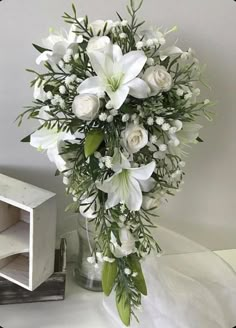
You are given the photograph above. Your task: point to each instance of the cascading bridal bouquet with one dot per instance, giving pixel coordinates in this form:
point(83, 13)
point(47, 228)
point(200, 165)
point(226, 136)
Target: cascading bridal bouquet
point(116, 108)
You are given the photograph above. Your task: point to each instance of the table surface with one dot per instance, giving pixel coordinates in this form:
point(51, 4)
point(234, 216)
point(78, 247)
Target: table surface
point(81, 308)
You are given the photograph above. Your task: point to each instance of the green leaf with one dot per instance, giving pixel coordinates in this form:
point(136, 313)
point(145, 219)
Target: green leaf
point(199, 139)
point(92, 141)
point(109, 273)
point(57, 173)
point(40, 49)
point(139, 281)
point(126, 108)
point(124, 308)
point(26, 139)
point(74, 10)
point(49, 87)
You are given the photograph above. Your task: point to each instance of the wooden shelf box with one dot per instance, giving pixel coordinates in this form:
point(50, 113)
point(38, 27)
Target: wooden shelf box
point(53, 289)
point(27, 233)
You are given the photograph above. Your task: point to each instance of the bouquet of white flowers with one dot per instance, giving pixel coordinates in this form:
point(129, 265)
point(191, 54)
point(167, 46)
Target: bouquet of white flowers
point(116, 108)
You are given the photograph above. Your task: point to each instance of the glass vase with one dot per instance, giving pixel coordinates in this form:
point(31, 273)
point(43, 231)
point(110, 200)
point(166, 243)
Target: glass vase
point(87, 275)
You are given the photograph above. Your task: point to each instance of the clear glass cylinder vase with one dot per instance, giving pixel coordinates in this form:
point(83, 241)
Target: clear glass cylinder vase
point(87, 275)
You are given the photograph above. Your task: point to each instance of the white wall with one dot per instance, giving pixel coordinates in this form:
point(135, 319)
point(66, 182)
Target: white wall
point(206, 208)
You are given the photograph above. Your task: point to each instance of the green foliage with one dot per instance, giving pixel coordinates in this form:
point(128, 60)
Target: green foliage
point(39, 48)
point(124, 307)
point(26, 139)
point(139, 280)
point(92, 141)
point(109, 274)
point(85, 169)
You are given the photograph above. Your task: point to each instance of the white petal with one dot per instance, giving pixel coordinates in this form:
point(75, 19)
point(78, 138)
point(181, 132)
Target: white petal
point(117, 251)
point(134, 197)
point(60, 48)
point(116, 52)
point(54, 157)
point(138, 88)
point(118, 97)
point(147, 185)
point(43, 114)
point(43, 57)
point(107, 185)
point(91, 85)
point(44, 139)
point(89, 212)
point(143, 172)
point(39, 92)
point(112, 200)
point(52, 39)
point(119, 161)
point(170, 51)
point(132, 63)
point(66, 136)
point(113, 238)
point(72, 36)
point(98, 62)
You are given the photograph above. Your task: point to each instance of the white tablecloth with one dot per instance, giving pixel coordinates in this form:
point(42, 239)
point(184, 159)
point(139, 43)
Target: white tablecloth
point(186, 286)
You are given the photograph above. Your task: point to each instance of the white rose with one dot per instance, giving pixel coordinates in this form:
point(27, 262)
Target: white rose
point(86, 106)
point(98, 43)
point(99, 25)
point(127, 246)
point(135, 137)
point(158, 79)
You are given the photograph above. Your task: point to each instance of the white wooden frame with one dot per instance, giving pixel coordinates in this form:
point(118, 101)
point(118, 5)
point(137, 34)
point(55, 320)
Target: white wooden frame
point(27, 232)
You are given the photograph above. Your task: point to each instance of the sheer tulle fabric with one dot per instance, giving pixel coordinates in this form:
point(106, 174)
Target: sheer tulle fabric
point(189, 287)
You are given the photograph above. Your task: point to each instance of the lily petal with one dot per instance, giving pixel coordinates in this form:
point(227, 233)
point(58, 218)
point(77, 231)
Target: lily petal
point(143, 172)
point(138, 88)
point(60, 48)
point(53, 155)
point(119, 161)
point(134, 197)
point(116, 53)
point(98, 62)
point(147, 185)
point(107, 186)
point(170, 51)
point(132, 63)
point(113, 200)
point(44, 139)
point(91, 85)
point(119, 96)
point(43, 57)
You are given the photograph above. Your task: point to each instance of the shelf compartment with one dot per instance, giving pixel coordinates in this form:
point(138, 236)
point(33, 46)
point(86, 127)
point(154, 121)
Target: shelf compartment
point(16, 269)
point(14, 240)
point(27, 233)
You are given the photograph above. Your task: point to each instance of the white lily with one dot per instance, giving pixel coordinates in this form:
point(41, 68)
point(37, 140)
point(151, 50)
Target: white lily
point(116, 75)
point(186, 136)
point(126, 185)
point(58, 43)
point(50, 140)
